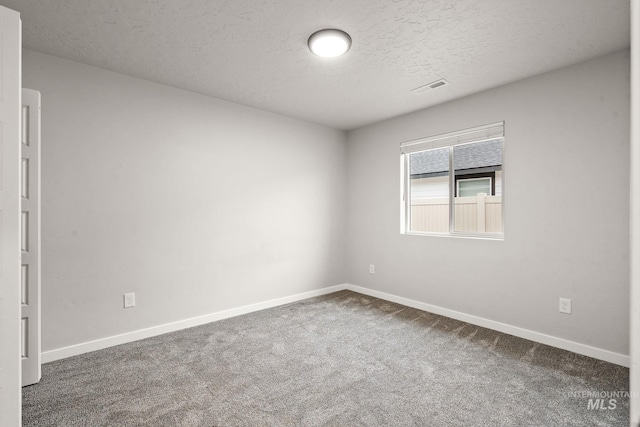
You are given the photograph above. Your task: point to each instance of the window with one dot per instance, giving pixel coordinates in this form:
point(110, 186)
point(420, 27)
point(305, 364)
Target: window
point(452, 184)
point(468, 187)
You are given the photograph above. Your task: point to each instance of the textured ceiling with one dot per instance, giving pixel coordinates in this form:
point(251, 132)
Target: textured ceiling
point(254, 52)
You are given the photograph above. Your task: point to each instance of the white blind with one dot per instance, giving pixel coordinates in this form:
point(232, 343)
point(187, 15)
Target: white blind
point(480, 133)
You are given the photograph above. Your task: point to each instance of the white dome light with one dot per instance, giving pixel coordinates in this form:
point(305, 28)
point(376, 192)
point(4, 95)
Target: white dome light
point(329, 43)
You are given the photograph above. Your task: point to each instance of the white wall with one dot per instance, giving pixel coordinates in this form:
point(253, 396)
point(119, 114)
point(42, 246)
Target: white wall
point(195, 204)
point(566, 193)
point(199, 205)
point(635, 215)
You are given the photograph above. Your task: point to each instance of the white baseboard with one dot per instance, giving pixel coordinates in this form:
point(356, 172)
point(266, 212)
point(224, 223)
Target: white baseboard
point(74, 350)
point(99, 344)
point(596, 353)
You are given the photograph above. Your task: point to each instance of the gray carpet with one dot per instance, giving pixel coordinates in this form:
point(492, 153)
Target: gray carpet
point(342, 359)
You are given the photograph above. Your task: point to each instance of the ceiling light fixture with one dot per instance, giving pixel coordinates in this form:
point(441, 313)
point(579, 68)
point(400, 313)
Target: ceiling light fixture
point(329, 43)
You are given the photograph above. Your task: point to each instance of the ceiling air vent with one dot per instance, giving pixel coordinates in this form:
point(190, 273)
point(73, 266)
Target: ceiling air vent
point(429, 86)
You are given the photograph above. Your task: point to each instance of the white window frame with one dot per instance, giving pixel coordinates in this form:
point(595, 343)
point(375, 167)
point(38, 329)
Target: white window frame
point(477, 134)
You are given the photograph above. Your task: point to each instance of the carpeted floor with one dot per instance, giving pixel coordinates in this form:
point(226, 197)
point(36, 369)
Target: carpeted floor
point(342, 359)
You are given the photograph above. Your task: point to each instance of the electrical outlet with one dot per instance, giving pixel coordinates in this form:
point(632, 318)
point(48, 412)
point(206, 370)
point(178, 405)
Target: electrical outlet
point(129, 300)
point(565, 305)
point(372, 269)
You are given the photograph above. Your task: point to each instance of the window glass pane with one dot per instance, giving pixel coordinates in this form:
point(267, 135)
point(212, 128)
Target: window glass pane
point(474, 186)
point(429, 191)
point(478, 177)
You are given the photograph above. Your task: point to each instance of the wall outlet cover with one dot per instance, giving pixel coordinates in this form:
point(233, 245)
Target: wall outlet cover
point(129, 300)
point(565, 305)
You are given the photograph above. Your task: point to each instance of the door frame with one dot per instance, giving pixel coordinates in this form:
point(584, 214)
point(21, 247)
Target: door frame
point(10, 103)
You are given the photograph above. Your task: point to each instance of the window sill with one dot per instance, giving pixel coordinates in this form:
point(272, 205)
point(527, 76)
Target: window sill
point(498, 237)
